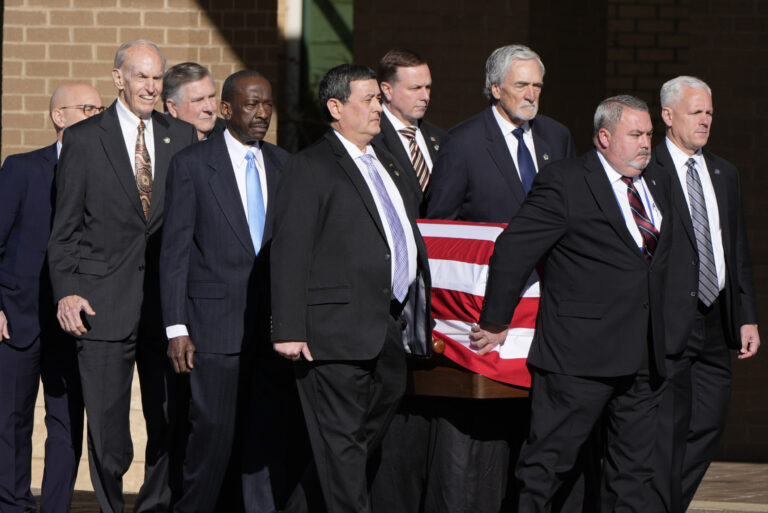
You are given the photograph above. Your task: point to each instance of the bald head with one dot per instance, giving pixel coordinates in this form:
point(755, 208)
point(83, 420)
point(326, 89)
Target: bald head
point(71, 103)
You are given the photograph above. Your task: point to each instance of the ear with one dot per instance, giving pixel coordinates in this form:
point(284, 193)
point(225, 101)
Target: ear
point(171, 108)
point(226, 110)
point(386, 90)
point(666, 115)
point(603, 137)
point(58, 119)
point(117, 78)
point(334, 107)
point(496, 91)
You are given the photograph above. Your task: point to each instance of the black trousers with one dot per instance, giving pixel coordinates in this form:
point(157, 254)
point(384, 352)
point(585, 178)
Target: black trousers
point(693, 411)
point(106, 372)
point(564, 411)
point(348, 405)
point(50, 358)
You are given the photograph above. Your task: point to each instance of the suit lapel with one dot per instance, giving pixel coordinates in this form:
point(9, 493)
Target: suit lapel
point(543, 149)
point(162, 137)
point(499, 151)
point(224, 188)
point(114, 147)
point(393, 142)
point(664, 159)
point(721, 193)
point(273, 176)
point(602, 191)
point(352, 171)
point(432, 139)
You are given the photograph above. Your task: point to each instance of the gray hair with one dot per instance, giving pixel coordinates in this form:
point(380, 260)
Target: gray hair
point(120, 55)
point(609, 112)
point(498, 64)
point(179, 75)
point(672, 90)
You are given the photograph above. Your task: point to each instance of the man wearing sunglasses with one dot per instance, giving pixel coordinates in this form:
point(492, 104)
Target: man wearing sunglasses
point(31, 344)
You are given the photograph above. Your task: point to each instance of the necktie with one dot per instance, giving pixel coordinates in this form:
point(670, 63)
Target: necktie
point(524, 161)
point(649, 232)
point(256, 213)
point(417, 158)
point(708, 284)
point(400, 279)
point(143, 168)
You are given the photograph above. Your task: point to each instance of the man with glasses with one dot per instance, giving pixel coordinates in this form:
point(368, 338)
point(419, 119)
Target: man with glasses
point(31, 344)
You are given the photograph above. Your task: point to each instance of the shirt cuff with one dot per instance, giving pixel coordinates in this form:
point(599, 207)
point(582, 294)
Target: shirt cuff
point(177, 330)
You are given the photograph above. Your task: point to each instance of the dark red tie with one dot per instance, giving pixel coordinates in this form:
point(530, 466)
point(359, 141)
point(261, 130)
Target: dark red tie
point(649, 232)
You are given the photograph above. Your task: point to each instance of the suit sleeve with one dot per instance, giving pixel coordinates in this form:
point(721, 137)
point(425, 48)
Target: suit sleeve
point(539, 224)
point(449, 182)
point(748, 313)
point(297, 210)
point(12, 190)
point(178, 233)
point(64, 244)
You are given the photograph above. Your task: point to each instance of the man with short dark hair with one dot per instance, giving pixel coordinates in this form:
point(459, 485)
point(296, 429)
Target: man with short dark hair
point(215, 282)
point(189, 94)
point(406, 87)
point(103, 259)
point(347, 260)
point(711, 293)
point(32, 346)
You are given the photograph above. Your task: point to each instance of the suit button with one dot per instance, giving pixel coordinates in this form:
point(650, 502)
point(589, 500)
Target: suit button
point(141, 267)
point(645, 305)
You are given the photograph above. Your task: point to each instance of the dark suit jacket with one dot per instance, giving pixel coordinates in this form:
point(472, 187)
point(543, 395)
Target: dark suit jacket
point(331, 272)
point(598, 293)
point(389, 139)
point(475, 179)
point(683, 283)
point(26, 207)
point(210, 276)
point(101, 246)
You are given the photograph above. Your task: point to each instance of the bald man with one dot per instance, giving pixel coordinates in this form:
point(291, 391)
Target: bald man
point(31, 344)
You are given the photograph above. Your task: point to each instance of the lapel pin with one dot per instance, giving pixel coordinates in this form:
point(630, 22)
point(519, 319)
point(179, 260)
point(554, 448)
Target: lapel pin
point(653, 182)
point(432, 138)
point(717, 171)
point(391, 164)
point(167, 140)
point(396, 173)
point(437, 147)
point(545, 156)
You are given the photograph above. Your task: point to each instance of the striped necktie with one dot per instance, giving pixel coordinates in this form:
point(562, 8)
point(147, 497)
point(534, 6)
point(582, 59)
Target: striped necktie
point(417, 158)
point(648, 232)
point(708, 284)
point(143, 168)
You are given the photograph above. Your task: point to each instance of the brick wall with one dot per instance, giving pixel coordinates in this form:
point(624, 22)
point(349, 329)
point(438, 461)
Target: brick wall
point(47, 42)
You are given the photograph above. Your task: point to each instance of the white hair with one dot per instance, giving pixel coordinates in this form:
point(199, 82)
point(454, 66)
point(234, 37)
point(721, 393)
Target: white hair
point(497, 65)
point(672, 90)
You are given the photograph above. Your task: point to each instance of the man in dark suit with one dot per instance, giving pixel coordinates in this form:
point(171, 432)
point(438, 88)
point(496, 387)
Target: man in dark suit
point(710, 291)
point(103, 259)
point(348, 265)
point(406, 85)
point(602, 225)
point(483, 173)
point(31, 344)
point(189, 94)
point(214, 268)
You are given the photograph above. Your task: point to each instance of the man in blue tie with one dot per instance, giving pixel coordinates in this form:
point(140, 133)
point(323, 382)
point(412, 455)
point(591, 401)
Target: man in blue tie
point(215, 294)
point(348, 267)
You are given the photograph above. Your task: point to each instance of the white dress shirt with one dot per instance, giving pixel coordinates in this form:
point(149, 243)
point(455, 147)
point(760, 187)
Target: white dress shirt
point(398, 125)
point(129, 125)
point(506, 129)
point(394, 196)
point(237, 151)
point(679, 158)
point(58, 149)
point(620, 192)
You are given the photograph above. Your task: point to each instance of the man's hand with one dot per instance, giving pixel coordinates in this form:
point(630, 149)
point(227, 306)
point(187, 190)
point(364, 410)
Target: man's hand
point(293, 350)
point(750, 341)
point(180, 352)
point(69, 314)
point(486, 336)
point(4, 327)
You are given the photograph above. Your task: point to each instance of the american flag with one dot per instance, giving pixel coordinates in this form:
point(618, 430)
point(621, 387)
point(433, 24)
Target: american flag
point(458, 260)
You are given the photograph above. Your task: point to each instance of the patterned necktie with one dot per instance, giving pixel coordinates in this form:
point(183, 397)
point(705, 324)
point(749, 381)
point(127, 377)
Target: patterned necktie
point(400, 280)
point(524, 161)
point(256, 214)
point(649, 232)
point(417, 158)
point(708, 284)
point(143, 167)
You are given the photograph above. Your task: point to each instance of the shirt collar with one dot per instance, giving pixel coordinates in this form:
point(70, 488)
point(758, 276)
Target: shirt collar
point(58, 149)
point(238, 149)
point(613, 175)
point(396, 123)
point(128, 117)
point(506, 126)
point(679, 157)
point(352, 149)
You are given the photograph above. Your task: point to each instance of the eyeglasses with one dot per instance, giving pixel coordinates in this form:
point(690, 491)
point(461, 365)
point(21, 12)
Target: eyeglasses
point(88, 110)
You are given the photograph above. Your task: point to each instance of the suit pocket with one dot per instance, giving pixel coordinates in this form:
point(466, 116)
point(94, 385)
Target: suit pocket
point(94, 267)
point(582, 310)
point(7, 281)
point(207, 289)
point(329, 295)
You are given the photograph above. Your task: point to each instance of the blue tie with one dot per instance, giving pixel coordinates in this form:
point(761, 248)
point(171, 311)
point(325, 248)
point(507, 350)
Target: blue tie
point(400, 280)
point(524, 161)
point(255, 198)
